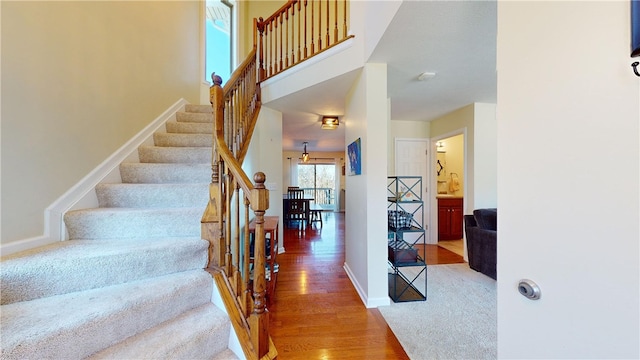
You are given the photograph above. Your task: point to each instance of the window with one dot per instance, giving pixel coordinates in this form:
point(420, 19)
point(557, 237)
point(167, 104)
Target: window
point(219, 39)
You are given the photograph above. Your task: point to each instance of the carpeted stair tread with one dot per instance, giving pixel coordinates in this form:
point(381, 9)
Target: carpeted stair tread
point(200, 333)
point(133, 223)
point(182, 140)
point(159, 154)
point(77, 265)
point(197, 108)
point(76, 325)
point(129, 283)
point(153, 195)
point(159, 173)
point(197, 117)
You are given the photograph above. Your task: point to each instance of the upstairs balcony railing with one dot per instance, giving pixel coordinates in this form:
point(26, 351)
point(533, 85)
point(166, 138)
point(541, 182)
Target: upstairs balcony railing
point(232, 194)
point(299, 30)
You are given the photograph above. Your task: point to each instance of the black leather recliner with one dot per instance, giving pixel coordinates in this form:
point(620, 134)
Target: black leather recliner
point(481, 230)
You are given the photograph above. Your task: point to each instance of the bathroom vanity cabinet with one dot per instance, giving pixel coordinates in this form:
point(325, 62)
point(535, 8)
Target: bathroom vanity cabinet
point(450, 218)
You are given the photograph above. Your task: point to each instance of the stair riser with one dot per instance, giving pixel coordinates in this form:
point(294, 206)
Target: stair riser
point(194, 117)
point(64, 267)
point(183, 140)
point(134, 224)
point(116, 313)
point(190, 155)
point(152, 195)
point(129, 283)
point(189, 127)
point(204, 329)
point(156, 173)
point(198, 108)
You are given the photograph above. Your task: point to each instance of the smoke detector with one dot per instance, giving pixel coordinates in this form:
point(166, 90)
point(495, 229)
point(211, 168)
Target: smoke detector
point(426, 76)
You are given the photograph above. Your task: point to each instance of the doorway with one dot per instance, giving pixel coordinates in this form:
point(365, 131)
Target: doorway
point(449, 180)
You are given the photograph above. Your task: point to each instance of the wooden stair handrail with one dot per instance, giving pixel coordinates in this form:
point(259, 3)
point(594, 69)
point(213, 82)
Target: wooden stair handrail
point(236, 107)
point(227, 176)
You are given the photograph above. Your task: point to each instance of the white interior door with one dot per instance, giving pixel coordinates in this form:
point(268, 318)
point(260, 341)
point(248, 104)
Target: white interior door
point(566, 221)
point(412, 160)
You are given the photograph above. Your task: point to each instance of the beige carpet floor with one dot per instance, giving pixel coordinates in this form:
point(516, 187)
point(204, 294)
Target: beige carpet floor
point(457, 321)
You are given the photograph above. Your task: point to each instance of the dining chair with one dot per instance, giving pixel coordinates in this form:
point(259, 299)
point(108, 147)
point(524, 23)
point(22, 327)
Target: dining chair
point(297, 212)
point(295, 193)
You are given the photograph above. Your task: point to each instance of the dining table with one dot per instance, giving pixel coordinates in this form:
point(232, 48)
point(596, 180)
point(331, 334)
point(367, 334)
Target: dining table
point(285, 206)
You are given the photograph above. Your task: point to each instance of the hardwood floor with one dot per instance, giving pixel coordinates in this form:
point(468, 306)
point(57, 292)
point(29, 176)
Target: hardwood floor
point(316, 313)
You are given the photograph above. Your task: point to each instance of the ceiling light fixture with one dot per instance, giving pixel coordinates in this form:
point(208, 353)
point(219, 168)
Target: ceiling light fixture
point(426, 76)
point(330, 122)
point(305, 154)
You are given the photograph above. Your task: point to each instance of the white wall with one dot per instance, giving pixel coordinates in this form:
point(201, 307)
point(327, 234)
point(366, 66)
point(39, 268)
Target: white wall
point(568, 173)
point(485, 164)
point(79, 79)
point(366, 118)
point(267, 140)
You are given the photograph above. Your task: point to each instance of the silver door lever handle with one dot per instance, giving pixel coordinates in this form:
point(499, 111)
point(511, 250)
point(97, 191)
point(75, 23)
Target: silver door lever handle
point(529, 289)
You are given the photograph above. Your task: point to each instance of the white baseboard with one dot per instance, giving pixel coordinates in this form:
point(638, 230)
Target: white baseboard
point(82, 194)
point(25, 244)
point(234, 342)
point(368, 302)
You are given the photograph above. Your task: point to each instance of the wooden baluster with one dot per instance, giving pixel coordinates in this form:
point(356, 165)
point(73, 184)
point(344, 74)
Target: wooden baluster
point(312, 32)
point(227, 235)
point(344, 35)
point(286, 39)
point(273, 48)
point(305, 29)
point(237, 279)
point(293, 44)
point(241, 117)
point(261, 42)
point(335, 28)
point(259, 319)
point(328, 25)
point(228, 117)
point(299, 29)
point(234, 123)
point(280, 46)
point(247, 300)
point(319, 25)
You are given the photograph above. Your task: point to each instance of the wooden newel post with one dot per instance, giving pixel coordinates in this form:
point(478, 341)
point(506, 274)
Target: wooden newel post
point(211, 227)
point(259, 319)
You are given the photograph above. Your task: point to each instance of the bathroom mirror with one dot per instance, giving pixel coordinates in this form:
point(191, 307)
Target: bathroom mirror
point(441, 171)
point(441, 165)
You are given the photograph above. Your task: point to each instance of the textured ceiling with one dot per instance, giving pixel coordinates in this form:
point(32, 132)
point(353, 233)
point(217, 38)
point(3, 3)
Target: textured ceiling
point(454, 39)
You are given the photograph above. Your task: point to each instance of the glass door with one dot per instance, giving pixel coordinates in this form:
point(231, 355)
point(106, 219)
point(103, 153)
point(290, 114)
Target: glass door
point(318, 181)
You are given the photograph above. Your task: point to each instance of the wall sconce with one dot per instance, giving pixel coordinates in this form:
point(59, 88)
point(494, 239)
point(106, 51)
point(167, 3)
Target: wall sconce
point(305, 154)
point(440, 146)
point(330, 122)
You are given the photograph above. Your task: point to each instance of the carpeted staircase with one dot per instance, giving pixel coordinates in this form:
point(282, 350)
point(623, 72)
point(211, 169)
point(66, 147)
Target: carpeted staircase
point(129, 283)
